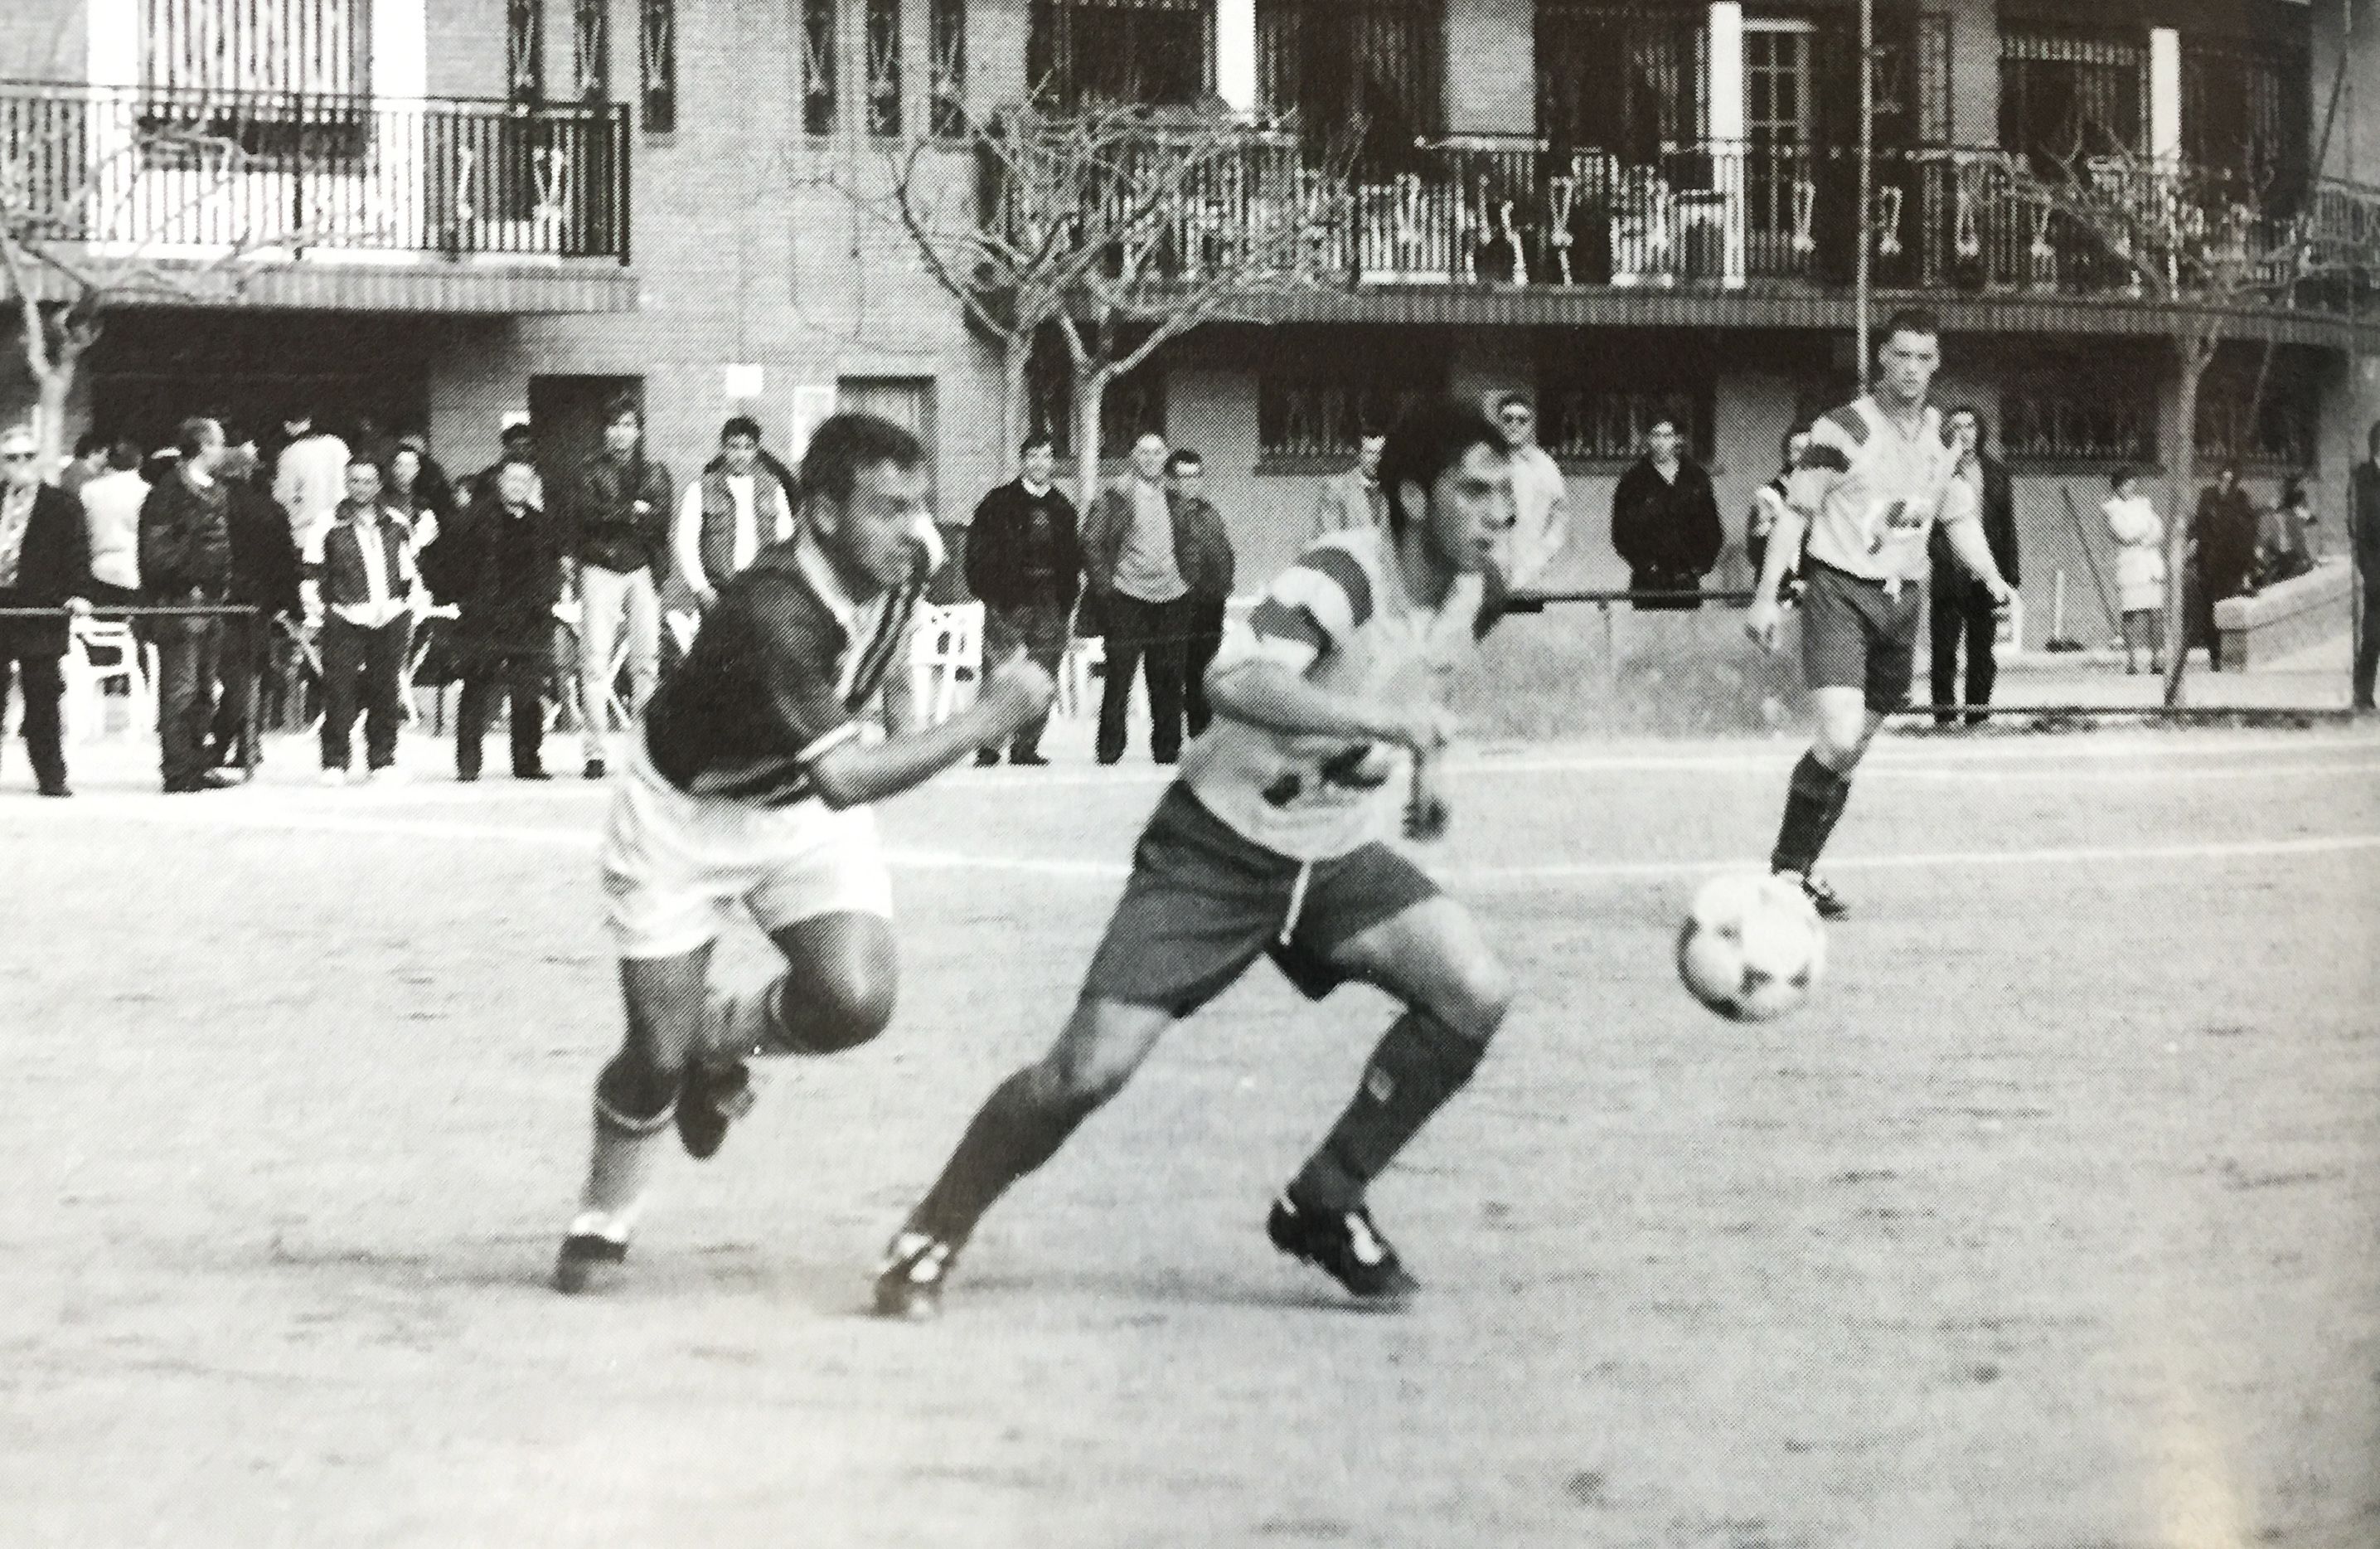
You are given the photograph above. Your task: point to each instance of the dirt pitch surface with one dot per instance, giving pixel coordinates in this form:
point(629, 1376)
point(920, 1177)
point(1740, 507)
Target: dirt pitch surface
point(2054, 1222)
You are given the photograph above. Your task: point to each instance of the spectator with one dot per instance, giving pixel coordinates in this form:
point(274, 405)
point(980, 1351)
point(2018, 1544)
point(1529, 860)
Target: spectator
point(1353, 499)
point(2223, 543)
point(186, 563)
point(2284, 549)
point(1133, 563)
point(44, 563)
point(89, 460)
point(1210, 572)
point(519, 442)
point(620, 545)
point(1665, 521)
point(311, 477)
point(1961, 608)
point(1025, 560)
point(729, 515)
point(2139, 569)
point(2363, 536)
point(372, 442)
point(1540, 497)
point(1767, 505)
point(265, 575)
point(111, 506)
point(360, 569)
point(418, 489)
point(504, 566)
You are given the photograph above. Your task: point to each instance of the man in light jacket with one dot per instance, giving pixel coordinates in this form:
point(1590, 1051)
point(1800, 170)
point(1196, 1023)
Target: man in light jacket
point(730, 514)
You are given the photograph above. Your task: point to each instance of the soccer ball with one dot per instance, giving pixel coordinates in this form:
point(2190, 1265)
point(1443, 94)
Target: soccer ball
point(1751, 947)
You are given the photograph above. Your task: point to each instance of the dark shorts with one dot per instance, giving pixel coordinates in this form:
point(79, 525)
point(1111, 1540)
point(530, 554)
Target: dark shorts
point(1856, 635)
point(1204, 902)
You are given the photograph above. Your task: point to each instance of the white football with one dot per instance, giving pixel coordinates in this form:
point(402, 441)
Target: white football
point(1751, 947)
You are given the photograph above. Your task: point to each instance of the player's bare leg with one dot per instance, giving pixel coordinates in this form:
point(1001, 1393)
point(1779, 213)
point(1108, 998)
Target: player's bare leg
point(1021, 1125)
point(1820, 788)
point(634, 1097)
point(1434, 957)
point(842, 974)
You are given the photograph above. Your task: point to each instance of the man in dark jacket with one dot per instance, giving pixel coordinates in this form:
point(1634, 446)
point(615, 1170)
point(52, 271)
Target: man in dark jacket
point(1024, 561)
point(619, 545)
point(1207, 603)
point(1144, 552)
point(2363, 528)
point(264, 575)
point(1961, 608)
point(186, 562)
point(1665, 521)
point(501, 564)
point(44, 563)
point(2223, 541)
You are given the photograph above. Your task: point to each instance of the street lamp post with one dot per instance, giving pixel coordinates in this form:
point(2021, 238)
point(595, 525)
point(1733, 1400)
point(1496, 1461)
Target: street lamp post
point(1866, 177)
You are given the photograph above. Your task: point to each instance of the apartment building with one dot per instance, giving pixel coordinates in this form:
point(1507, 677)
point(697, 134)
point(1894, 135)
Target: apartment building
point(1628, 208)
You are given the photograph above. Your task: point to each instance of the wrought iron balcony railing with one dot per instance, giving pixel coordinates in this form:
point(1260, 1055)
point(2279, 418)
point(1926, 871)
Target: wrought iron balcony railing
point(171, 169)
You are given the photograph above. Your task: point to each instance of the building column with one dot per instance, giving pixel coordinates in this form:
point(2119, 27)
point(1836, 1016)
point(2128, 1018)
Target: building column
point(1730, 168)
point(2165, 95)
point(1235, 55)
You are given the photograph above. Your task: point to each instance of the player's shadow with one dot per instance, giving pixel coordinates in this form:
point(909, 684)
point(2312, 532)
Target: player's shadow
point(1134, 1295)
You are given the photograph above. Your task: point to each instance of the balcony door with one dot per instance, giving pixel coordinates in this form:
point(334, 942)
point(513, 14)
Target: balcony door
point(1781, 129)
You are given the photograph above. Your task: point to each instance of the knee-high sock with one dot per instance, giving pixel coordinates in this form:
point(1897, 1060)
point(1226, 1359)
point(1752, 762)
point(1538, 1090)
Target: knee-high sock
point(633, 1108)
point(1020, 1126)
point(1420, 1063)
point(1813, 803)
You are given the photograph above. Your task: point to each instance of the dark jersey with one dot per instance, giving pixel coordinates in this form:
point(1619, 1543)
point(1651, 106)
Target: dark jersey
point(784, 663)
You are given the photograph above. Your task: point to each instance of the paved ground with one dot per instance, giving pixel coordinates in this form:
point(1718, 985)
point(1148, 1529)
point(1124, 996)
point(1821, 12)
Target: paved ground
point(2054, 1222)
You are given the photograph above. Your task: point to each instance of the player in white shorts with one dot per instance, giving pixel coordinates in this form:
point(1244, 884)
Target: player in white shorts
point(748, 786)
point(1271, 844)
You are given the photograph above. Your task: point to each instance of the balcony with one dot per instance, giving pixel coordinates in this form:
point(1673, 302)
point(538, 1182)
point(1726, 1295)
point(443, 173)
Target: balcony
point(448, 204)
point(1482, 230)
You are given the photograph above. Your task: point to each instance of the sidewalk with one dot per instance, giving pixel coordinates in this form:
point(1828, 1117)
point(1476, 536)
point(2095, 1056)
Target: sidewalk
point(2314, 679)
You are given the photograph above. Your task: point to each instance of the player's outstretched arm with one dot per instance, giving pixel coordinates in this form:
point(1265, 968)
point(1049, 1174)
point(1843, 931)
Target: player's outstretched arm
point(1268, 694)
point(849, 774)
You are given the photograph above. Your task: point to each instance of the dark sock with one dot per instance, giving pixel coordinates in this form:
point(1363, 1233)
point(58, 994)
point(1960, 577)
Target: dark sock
point(1019, 1126)
point(1813, 802)
point(1420, 1063)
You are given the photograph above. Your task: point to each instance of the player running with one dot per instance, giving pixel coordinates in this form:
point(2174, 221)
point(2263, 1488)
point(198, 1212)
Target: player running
point(749, 784)
point(1868, 488)
point(1326, 721)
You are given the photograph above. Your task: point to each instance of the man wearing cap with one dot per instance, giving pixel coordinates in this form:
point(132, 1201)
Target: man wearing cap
point(44, 563)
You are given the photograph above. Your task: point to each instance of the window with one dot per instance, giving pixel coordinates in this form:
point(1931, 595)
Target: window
point(820, 38)
point(282, 79)
point(1152, 52)
point(946, 58)
point(2282, 428)
point(524, 51)
point(2068, 94)
point(1315, 400)
point(1599, 407)
point(591, 49)
point(657, 63)
point(1620, 78)
point(2074, 415)
point(1338, 62)
point(883, 34)
point(2244, 112)
point(1132, 405)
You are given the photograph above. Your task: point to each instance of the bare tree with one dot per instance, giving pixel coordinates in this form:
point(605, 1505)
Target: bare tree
point(1113, 229)
point(99, 204)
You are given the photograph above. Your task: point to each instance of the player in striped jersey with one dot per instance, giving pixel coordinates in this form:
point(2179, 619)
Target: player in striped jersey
point(1271, 844)
point(1869, 487)
point(749, 784)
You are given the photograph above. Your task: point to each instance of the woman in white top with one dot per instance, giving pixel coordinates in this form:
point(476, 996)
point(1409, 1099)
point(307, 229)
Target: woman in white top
point(2139, 569)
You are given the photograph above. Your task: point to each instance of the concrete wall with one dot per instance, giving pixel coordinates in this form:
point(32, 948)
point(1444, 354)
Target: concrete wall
point(1491, 77)
point(2355, 137)
point(43, 39)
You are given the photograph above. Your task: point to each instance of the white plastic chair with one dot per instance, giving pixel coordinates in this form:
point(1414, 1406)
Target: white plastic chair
point(423, 612)
point(945, 650)
point(1086, 658)
point(99, 652)
point(682, 624)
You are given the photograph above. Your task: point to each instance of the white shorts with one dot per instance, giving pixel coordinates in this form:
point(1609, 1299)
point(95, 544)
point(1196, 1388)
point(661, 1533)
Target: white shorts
point(675, 865)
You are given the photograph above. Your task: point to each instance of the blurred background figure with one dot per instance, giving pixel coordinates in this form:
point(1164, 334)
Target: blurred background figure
point(2139, 532)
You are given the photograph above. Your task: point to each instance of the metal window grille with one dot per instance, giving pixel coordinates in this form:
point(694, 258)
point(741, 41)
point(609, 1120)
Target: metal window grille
point(657, 62)
point(1373, 63)
point(1154, 51)
point(1589, 422)
point(1133, 404)
point(2244, 112)
point(524, 51)
point(946, 58)
point(314, 47)
point(2069, 93)
point(1621, 78)
point(2281, 429)
point(820, 39)
point(1318, 408)
point(883, 36)
point(591, 49)
point(2072, 416)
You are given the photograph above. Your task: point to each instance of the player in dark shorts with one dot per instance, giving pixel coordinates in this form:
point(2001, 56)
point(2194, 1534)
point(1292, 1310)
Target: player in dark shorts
point(748, 786)
point(1271, 844)
point(1868, 488)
